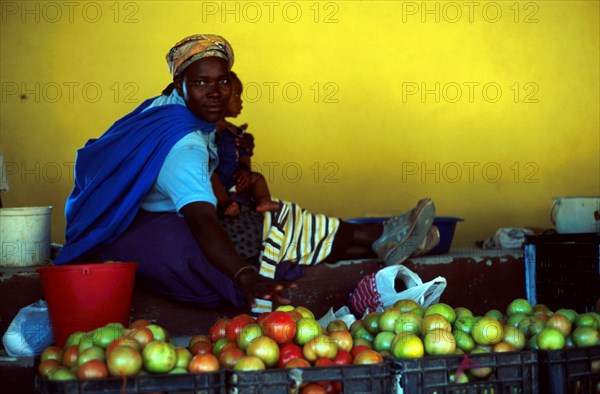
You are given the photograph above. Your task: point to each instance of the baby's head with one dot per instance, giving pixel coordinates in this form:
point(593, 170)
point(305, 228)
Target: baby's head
point(235, 102)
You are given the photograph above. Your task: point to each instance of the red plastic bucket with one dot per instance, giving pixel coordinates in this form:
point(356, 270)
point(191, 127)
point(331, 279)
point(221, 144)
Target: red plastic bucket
point(87, 296)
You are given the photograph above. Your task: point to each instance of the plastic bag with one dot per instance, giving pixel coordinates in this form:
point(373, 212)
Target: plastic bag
point(376, 291)
point(30, 332)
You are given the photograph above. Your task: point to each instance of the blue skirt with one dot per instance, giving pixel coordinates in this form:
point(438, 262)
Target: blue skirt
point(172, 264)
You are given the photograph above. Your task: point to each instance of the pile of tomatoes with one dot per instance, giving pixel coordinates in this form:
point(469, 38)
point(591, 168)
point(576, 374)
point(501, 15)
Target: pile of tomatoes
point(291, 337)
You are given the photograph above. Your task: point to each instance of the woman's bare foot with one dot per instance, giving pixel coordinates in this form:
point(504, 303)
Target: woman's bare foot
point(267, 206)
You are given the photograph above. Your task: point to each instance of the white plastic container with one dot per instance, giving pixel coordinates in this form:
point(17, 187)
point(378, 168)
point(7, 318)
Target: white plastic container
point(24, 236)
point(573, 215)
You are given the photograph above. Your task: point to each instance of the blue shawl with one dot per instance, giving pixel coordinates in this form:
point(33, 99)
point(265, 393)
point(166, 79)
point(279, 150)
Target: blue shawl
point(114, 172)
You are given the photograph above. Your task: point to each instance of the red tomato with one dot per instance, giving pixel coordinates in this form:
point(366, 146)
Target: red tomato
point(323, 362)
point(313, 388)
point(280, 326)
point(70, 356)
point(356, 350)
point(139, 323)
point(218, 330)
point(52, 352)
point(199, 338)
point(93, 369)
point(229, 357)
point(47, 365)
point(297, 362)
point(235, 325)
point(261, 317)
point(342, 357)
point(288, 352)
point(141, 334)
point(203, 363)
point(201, 348)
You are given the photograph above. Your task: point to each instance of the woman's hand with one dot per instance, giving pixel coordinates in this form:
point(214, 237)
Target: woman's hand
point(255, 286)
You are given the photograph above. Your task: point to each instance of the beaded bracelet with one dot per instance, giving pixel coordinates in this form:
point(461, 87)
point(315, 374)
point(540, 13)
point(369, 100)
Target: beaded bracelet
point(242, 269)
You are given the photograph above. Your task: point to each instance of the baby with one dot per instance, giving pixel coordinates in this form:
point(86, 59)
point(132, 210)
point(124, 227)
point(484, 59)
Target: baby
point(234, 174)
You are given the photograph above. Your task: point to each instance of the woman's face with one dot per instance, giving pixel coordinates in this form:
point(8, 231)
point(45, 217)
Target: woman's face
point(205, 88)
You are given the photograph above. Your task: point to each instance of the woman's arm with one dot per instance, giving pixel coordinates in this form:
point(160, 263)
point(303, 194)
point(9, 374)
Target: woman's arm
point(201, 217)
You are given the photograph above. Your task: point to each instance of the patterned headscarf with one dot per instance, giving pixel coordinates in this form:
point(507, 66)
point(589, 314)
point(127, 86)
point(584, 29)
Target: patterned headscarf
point(195, 47)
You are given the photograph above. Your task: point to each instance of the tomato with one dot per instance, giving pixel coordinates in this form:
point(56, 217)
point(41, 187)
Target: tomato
point(261, 317)
point(229, 357)
point(123, 341)
point(288, 352)
point(297, 362)
point(70, 356)
point(93, 369)
point(92, 353)
point(141, 334)
point(218, 346)
point(235, 325)
point(159, 333)
point(183, 357)
point(48, 365)
point(313, 388)
point(61, 373)
point(305, 312)
point(295, 315)
point(343, 339)
point(264, 348)
point(52, 352)
point(248, 333)
point(124, 361)
point(356, 350)
point(321, 346)
point(201, 348)
point(249, 363)
point(139, 323)
point(342, 357)
point(369, 356)
point(203, 363)
point(280, 326)
point(199, 338)
point(336, 325)
point(307, 329)
point(218, 329)
point(103, 336)
point(323, 362)
point(159, 357)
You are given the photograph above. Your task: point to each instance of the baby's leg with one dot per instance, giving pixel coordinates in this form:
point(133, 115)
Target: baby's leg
point(259, 191)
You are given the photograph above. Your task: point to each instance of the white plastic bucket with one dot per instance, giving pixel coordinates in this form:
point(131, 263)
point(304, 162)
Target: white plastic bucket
point(24, 236)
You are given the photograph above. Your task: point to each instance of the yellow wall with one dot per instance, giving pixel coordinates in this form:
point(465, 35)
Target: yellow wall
point(358, 107)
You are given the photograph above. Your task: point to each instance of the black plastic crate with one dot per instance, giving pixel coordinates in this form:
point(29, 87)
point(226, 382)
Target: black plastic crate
point(512, 372)
point(200, 383)
point(570, 371)
point(354, 379)
point(563, 270)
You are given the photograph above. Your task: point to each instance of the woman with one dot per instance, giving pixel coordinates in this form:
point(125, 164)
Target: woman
point(143, 193)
